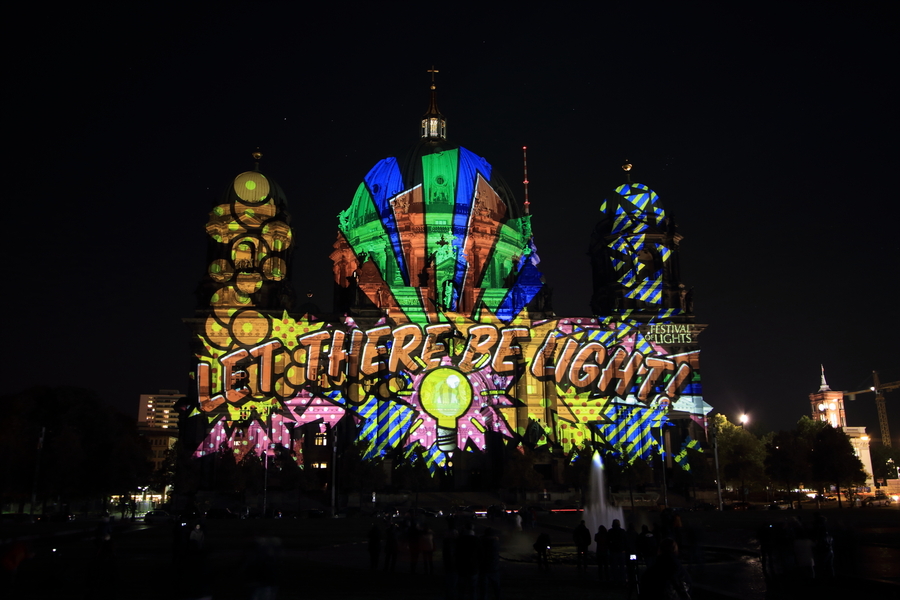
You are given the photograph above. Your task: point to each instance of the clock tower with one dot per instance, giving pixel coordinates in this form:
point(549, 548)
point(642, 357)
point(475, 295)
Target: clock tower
point(828, 405)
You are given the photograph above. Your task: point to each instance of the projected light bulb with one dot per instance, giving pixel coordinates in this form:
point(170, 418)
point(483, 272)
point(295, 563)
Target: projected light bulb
point(445, 394)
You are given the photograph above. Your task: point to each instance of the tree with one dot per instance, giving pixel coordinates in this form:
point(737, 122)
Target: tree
point(813, 454)
point(164, 477)
point(742, 455)
point(834, 460)
point(789, 454)
point(885, 462)
point(89, 450)
point(787, 460)
point(701, 474)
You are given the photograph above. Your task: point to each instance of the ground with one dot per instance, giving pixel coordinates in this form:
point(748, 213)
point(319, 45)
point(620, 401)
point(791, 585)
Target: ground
point(327, 558)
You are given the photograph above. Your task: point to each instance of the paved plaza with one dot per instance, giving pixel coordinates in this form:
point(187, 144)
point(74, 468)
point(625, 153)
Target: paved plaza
point(328, 558)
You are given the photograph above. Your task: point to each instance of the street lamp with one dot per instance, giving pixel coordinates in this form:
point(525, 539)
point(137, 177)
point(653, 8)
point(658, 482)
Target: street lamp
point(743, 487)
point(715, 438)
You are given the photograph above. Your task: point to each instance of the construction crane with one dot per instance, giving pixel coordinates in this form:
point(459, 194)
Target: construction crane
point(879, 389)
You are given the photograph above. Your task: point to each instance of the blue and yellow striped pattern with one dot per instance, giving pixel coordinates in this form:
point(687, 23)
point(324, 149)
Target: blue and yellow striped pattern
point(631, 427)
point(681, 459)
point(385, 424)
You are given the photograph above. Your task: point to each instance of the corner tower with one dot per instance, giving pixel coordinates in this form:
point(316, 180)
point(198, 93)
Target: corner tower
point(242, 304)
point(249, 248)
point(634, 255)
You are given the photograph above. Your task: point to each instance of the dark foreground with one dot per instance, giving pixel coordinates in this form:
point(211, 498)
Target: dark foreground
point(328, 558)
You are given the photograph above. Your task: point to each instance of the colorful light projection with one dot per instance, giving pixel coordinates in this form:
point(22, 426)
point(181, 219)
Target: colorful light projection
point(447, 244)
point(252, 238)
point(637, 255)
point(441, 386)
point(455, 355)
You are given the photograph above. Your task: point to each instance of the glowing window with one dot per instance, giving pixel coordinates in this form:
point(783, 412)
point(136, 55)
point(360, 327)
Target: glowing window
point(321, 439)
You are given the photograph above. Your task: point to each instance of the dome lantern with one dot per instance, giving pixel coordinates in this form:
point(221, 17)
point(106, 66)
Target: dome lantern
point(434, 125)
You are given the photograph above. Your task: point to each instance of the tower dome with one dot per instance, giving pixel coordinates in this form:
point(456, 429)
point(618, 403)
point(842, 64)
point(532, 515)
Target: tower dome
point(634, 254)
point(250, 246)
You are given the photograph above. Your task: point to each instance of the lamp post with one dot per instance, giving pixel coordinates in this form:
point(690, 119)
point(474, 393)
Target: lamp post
point(37, 471)
point(662, 456)
point(744, 419)
point(715, 437)
point(334, 457)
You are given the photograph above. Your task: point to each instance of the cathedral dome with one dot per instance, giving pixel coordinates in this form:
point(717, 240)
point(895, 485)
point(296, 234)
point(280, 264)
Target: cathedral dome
point(409, 163)
point(251, 194)
point(434, 231)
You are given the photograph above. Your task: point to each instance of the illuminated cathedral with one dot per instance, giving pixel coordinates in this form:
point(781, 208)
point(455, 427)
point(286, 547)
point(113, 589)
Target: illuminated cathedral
point(442, 338)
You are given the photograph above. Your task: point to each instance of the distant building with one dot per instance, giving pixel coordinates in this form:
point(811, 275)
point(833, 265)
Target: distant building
point(158, 423)
point(860, 442)
point(157, 411)
point(827, 406)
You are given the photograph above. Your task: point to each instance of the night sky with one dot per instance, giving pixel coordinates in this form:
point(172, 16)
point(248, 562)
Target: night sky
point(768, 133)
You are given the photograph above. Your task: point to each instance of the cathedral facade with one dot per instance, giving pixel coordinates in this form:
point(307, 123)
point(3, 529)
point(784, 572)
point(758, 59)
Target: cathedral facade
point(442, 338)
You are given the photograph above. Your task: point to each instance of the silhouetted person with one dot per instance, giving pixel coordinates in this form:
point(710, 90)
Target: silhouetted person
point(582, 539)
point(617, 547)
point(448, 557)
point(103, 538)
point(647, 546)
point(426, 548)
point(489, 565)
point(602, 553)
point(11, 560)
point(467, 560)
point(196, 540)
point(412, 540)
point(542, 546)
point(260, 567)
point(631, 540)
point(824, 548)
point(374, 546)
point(391, 543)
point(804, 556)
point(666, 579)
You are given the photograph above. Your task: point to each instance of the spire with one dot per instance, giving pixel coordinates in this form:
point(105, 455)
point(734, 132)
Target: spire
point(434, 125)
point(525, 164)
point(824, 386)
point(627, 168)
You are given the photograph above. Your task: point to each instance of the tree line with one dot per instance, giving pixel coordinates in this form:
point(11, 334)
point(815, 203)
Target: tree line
point(89, 452)
point(813, 455)
point(64, 446)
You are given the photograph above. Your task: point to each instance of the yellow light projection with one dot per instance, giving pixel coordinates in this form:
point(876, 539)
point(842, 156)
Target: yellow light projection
point(251, 186)
point(445, 394)
point(252, 243)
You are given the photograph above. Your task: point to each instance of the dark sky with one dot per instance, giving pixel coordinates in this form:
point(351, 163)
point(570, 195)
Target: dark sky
point(769, 133)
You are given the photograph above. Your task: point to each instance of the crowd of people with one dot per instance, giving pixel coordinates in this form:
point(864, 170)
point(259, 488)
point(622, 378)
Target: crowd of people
point(653, 562)
point(460, 561)
point(470, 562)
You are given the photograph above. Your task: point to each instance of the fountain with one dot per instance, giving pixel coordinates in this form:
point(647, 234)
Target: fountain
point(598, 511)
